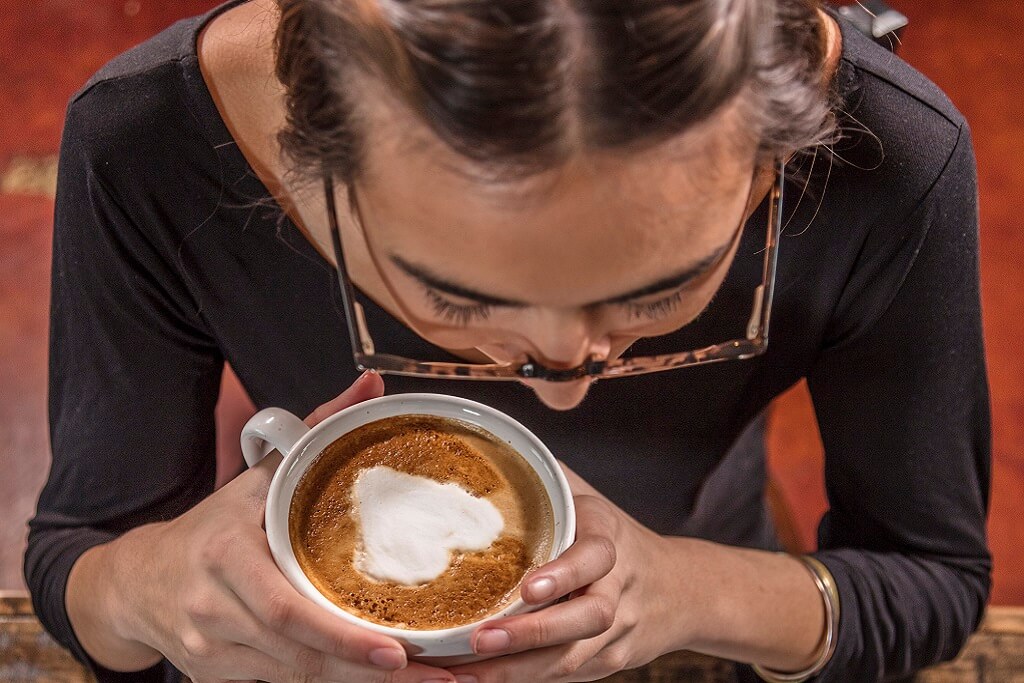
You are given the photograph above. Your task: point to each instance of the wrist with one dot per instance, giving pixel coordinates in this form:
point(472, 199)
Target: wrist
point(101, 605)
point(826, 585)
point(130, 565)
point(684, 605)
point(746, 605)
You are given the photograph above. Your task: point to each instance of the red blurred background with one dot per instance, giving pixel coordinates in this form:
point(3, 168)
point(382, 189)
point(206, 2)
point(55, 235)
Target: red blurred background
point(48, 48)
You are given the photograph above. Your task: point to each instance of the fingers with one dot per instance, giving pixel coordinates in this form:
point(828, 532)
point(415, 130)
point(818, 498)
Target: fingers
point(312, 668)
point(245, 663)
point(581, 618)
point(224, 626)
point(232, 622)
point(590, 558)
point(368, 385)
point(574, 662)
point(583, 568)
point(267, 594)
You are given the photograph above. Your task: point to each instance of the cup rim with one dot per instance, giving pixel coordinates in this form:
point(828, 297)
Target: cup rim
point(284, 554)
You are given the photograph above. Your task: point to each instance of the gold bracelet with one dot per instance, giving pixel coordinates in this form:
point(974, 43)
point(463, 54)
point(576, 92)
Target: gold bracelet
point(826, 584)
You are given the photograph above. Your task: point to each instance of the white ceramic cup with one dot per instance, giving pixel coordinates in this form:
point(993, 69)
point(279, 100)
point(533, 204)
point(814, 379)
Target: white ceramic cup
point(274, 428)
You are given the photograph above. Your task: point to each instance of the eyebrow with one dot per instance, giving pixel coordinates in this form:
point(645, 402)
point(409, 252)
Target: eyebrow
point(674, 281)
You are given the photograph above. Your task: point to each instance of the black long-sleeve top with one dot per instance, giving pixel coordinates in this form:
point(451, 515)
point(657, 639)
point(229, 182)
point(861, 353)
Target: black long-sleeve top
point(167, 262)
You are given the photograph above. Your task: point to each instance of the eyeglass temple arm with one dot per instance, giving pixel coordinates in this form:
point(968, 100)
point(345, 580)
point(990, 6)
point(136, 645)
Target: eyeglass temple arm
point(348, 296)
point(757, 327)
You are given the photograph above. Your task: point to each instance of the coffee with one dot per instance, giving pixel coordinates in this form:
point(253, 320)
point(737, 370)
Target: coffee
point(420, 522)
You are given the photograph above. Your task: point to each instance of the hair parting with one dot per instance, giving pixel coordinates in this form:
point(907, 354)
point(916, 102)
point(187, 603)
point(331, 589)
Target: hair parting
point(518, 86)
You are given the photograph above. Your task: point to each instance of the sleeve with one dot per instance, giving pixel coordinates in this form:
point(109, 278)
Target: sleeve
point(903, 408)
point(133, 376)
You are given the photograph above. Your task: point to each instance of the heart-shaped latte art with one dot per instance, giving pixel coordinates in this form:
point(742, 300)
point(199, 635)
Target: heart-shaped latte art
point(411, 525)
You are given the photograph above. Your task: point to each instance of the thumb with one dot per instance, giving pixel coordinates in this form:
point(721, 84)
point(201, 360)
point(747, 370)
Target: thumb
point(368, 385)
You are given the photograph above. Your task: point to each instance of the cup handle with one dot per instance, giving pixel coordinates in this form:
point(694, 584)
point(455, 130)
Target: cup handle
point(269, 429)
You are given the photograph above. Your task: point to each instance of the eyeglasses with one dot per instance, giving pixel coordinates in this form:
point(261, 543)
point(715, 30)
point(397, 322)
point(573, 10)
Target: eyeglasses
point(753, 344)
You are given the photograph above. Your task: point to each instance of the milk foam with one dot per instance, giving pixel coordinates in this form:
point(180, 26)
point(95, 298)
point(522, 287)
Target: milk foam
point(410, 525)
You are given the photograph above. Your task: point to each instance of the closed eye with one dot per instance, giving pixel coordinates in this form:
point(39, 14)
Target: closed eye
point(652, 310)
point(441, 288)
point(463, 314)
point(458, 314)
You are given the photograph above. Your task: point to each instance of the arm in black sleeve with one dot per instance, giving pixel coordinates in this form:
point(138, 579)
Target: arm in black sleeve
point(902, 403)
point(133, 376)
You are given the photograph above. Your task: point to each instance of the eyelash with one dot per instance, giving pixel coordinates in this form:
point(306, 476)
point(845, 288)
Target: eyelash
point(456, 313)
point(463, 315)
point(654, 309)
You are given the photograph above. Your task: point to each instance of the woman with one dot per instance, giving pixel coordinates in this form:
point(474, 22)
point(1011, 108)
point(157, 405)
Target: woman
point(550, 192)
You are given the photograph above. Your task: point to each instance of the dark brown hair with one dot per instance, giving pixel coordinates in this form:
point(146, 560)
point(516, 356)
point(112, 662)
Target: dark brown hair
point(519, 84)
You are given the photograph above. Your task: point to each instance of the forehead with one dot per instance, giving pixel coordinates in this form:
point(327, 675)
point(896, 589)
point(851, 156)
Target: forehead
point(598, 225)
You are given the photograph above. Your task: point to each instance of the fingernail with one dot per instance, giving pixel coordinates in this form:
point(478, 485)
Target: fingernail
point(465, 678)
point(366, 373)
point(390, 658)
point(541, 589)
point(493, 640)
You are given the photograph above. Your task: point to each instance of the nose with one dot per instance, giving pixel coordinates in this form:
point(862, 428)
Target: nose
point(563, 338)
point(557, 340)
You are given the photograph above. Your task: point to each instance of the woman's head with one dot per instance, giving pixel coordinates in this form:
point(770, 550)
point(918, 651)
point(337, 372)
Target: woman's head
point(557, 155)
point(520, 86)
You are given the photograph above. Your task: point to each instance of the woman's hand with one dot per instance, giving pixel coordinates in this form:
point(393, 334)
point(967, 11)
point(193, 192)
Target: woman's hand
point(204, 591)
point(618, 576)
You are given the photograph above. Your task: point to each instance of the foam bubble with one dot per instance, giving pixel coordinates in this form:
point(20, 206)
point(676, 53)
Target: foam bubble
point(411, 525)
